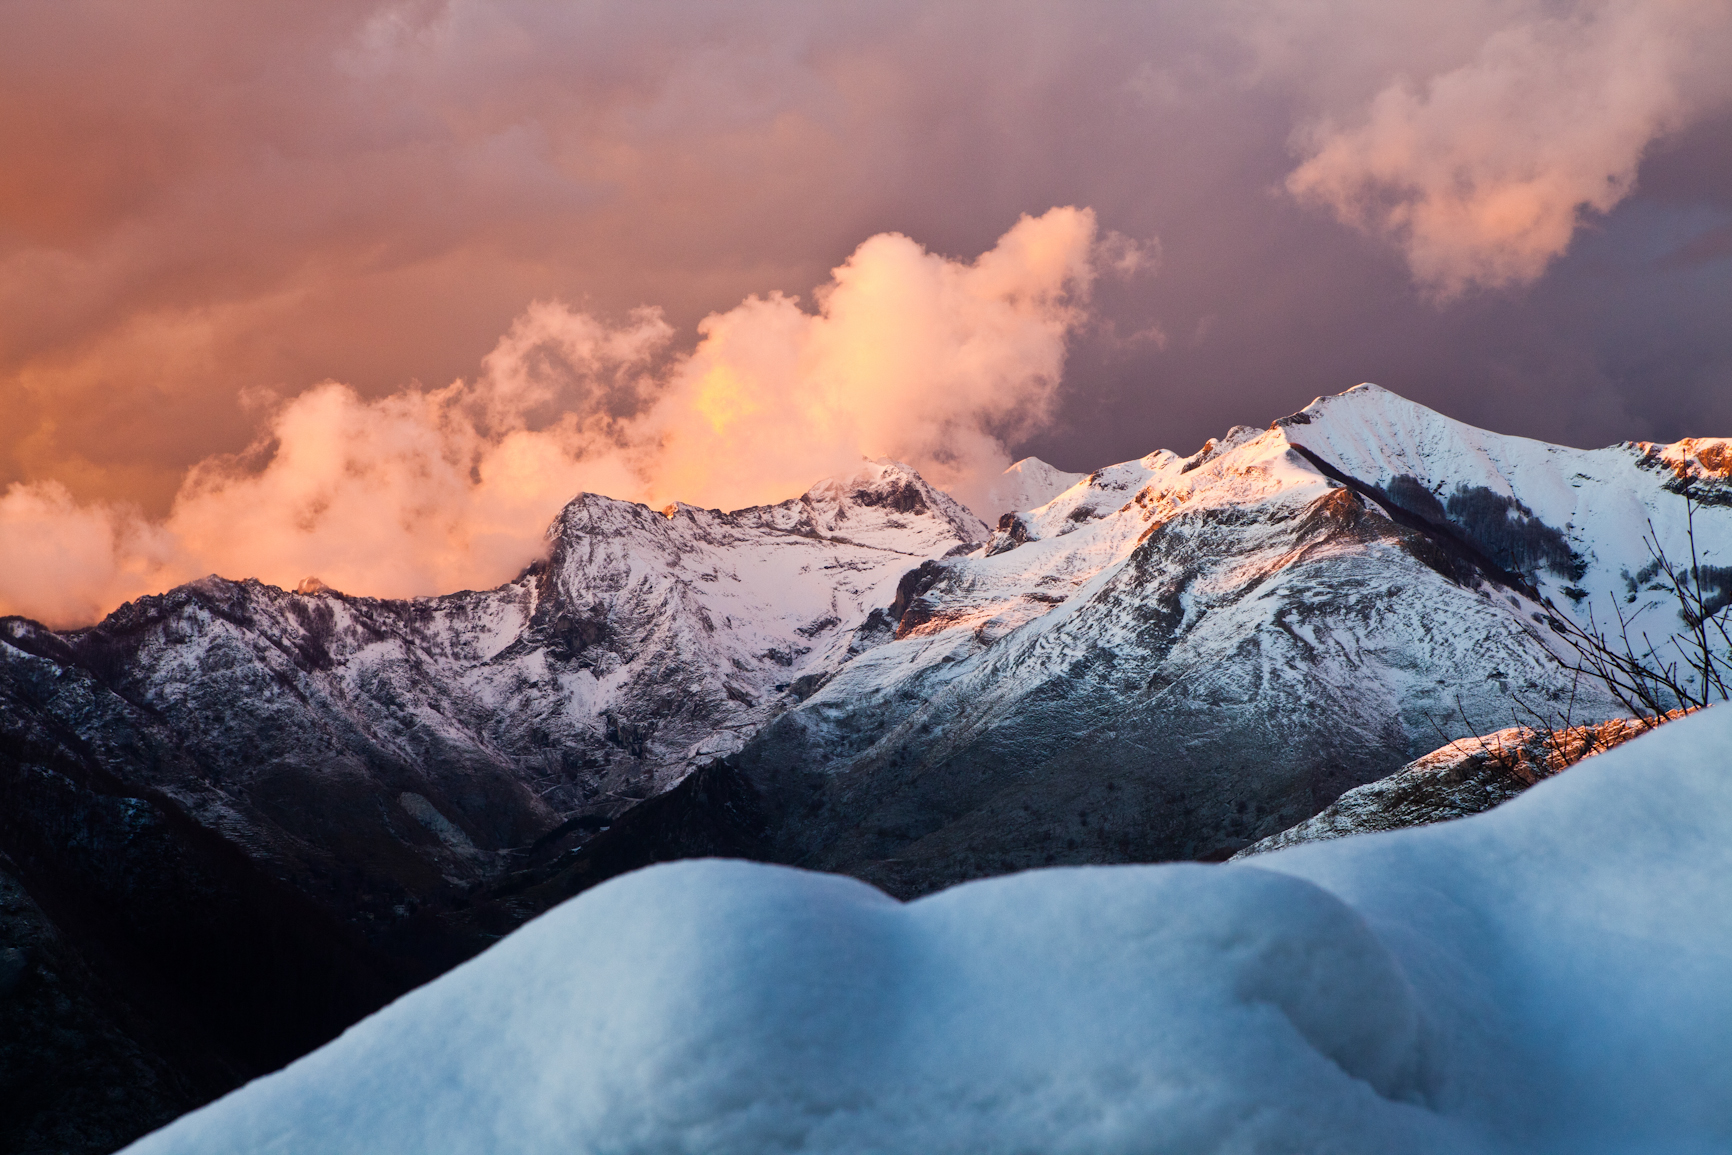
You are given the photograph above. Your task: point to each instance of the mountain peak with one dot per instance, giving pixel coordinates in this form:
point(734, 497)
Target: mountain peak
point(1027, 484)
point(886, 502)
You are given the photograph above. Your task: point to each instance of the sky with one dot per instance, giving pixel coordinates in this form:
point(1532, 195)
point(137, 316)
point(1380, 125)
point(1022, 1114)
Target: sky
point(367, 291)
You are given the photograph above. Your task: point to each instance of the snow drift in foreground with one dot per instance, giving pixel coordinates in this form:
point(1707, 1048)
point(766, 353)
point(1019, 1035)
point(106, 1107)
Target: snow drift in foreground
point(1554, 975)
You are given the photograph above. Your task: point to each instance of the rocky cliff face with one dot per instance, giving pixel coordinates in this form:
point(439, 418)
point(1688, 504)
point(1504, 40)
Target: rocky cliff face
point(266, 812)
point(1467, 776)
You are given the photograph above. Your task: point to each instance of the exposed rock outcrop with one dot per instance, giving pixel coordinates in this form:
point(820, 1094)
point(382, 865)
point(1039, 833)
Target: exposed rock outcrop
point(1467, 776)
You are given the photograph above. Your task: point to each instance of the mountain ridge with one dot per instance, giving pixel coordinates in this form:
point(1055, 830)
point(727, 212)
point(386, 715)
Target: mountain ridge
point(1172, 657)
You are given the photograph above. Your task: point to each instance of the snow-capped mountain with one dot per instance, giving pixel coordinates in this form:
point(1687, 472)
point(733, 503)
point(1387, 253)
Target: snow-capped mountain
point(1178, 656)
point(457, 729)
point(1573, 522)
point(1169, 658)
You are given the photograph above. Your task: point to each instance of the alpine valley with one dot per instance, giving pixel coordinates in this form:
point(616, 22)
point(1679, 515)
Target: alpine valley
point(238, 818)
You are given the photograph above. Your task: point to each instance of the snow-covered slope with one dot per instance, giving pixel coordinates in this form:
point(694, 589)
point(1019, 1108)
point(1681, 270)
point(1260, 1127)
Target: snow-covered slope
point(1178, 656)
point(1026, 484)
point(689, 628)
point(1548, 977)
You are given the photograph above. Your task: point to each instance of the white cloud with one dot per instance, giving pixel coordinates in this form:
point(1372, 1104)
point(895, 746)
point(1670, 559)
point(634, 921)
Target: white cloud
point(1482, 173)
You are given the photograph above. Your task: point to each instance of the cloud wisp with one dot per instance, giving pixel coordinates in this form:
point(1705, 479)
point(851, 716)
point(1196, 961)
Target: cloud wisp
point(935, 361)
point(1483, 173)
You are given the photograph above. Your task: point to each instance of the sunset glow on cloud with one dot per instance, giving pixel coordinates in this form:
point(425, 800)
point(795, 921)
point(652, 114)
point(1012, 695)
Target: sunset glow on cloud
point(713, 253)
point(908, 355)
point(1482, 176)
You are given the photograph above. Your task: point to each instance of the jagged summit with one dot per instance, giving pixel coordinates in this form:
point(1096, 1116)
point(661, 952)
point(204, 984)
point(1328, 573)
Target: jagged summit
point(884, 504)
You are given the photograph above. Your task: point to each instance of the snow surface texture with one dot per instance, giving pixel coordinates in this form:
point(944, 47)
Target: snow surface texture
point(1551, 976)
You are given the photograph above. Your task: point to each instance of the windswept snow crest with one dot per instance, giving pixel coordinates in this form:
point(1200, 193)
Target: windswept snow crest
point(1546, 977)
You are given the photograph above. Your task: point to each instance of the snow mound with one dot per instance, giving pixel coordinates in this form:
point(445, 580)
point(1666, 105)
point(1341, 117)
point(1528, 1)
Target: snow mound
point(1549, 976)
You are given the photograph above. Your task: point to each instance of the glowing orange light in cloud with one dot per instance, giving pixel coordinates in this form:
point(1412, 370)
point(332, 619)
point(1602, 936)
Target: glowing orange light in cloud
point(907, 354)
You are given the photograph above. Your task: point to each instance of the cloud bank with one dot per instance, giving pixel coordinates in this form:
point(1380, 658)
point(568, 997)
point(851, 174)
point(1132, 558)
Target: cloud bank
point(1514, 210)
point(905, 353)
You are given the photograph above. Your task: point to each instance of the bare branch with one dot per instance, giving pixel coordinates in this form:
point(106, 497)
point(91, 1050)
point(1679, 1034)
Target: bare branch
point(1646, 684)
